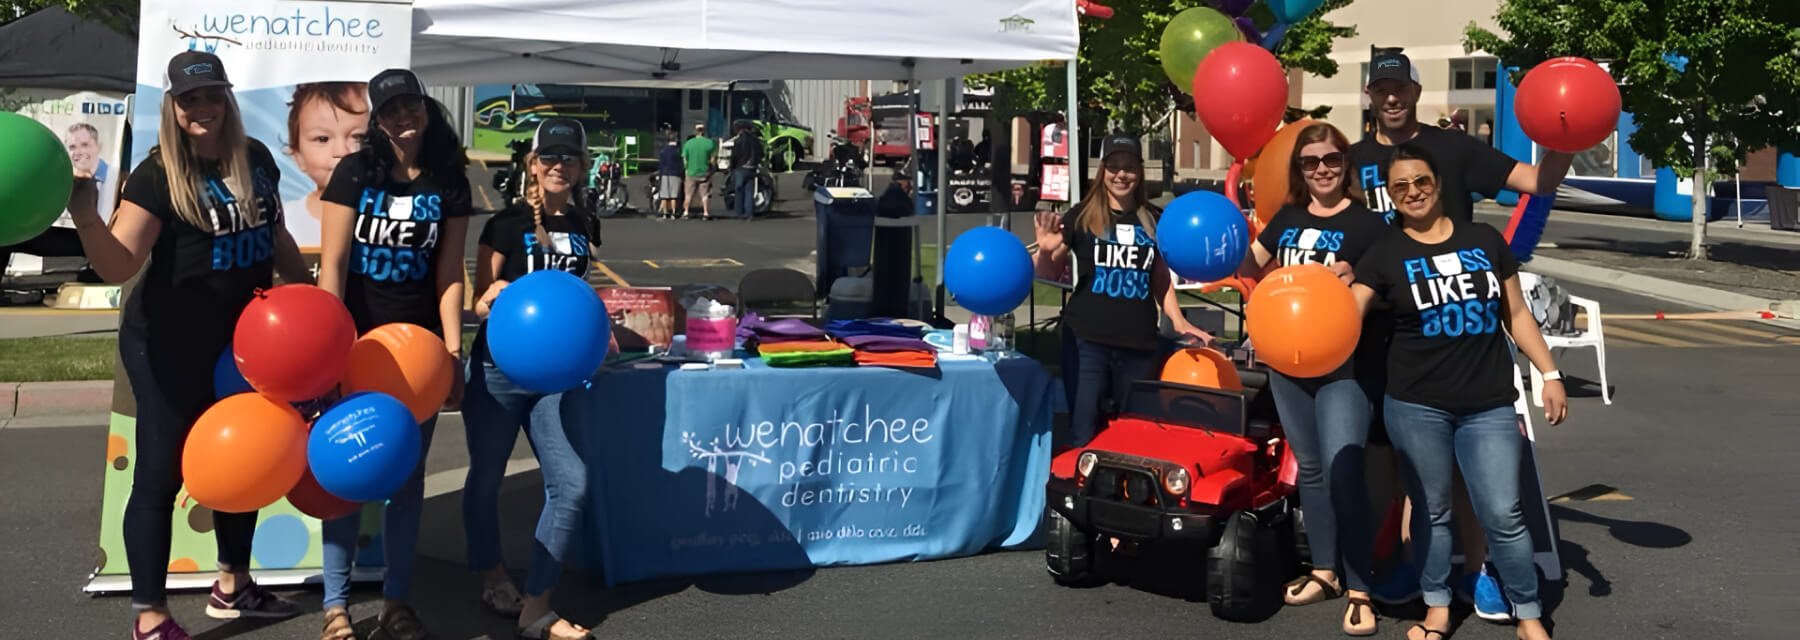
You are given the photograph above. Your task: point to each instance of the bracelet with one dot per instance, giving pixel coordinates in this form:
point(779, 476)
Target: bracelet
point(1553, 374)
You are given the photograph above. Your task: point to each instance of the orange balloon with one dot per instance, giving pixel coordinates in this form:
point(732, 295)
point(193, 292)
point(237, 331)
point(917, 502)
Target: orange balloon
point(1202, 367)
point(404, 361)
point(1303, 321)
point(244, 453)
point(1271, 177)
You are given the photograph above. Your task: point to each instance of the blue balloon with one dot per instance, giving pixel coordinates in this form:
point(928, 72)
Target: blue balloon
point(988, 270)
point(548, 331)
point(226, 379)
point(1292, 11)
point(1203, 236)
point(364, 448)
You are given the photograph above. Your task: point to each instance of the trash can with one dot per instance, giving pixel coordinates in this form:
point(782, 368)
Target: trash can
point(1784, 208)
point(845, 218)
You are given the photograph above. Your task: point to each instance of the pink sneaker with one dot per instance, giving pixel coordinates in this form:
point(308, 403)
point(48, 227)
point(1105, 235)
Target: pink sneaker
point(168, 630)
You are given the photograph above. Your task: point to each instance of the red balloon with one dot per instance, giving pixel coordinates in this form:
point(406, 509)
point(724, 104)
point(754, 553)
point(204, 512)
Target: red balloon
point(1568, 104)
point(293, 342)
point(313, 500)
point(1240, 94)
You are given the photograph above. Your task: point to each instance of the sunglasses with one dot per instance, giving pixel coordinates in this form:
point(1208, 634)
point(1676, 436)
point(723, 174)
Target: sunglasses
point(1333, 160)
point(1425, 184)
point(550, 159)
point(1124, 166)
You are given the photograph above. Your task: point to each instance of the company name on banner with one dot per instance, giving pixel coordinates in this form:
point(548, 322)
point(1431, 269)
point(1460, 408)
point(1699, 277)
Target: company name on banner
point(309, 28)
point(828, 463)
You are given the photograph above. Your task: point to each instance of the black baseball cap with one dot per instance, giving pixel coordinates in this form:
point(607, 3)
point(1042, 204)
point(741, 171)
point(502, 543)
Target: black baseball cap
point(563, 135)
point(190, 70)
point(1121, 143)
point(393, 83)
point(1388, 63)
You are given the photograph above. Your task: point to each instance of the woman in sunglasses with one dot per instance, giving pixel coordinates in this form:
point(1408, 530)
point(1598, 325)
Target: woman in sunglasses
point(1120, 281)
point(546, 229)
point(1325, 222)
point(1454, 290)
point(395, 216)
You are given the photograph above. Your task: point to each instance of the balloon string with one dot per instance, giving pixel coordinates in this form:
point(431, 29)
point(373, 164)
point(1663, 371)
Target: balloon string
point(1231, 182)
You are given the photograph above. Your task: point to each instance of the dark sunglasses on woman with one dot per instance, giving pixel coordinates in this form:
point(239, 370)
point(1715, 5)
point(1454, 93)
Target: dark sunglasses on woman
point(1333, 160)
point(1400, 188)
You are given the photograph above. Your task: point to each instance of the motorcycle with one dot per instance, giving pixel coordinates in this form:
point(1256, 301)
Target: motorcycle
point(606, 192)
point(763, 195)
point(843, 168)
point(510, 180)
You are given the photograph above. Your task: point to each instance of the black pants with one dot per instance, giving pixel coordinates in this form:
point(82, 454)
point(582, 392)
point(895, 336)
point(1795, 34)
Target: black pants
point(167, 407)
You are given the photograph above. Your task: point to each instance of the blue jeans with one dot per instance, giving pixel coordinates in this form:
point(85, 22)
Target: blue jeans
point(399, 536)
point(1328, 426)
point(1103, 372)
point(493, 410)
point(1490, 450)
point(744, 182)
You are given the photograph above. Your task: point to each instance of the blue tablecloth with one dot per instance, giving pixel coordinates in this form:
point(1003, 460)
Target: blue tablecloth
point(696, 472)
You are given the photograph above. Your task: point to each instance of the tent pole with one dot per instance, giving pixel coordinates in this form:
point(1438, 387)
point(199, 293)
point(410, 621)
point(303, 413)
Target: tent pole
point(943, 181)
point(1076, 176)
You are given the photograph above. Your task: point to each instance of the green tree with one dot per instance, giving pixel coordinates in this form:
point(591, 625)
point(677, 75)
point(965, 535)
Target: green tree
point(121, 15)
point(1120, 78)
point(1706, 81)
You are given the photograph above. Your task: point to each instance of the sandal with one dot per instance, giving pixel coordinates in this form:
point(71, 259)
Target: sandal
point(400, 622)
point(540, 629)
point(337, 625)
point(503, 599)
point(1298, 586)
point(1442, 635)
point(1353, 626)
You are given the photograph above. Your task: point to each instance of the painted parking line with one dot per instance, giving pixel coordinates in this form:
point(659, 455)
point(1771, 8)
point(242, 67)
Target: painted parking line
point(1691, 334)
point(693, 263)
point(610, 274)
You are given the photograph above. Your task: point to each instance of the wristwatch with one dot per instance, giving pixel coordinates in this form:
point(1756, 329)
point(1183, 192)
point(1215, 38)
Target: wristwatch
point(1553, 374)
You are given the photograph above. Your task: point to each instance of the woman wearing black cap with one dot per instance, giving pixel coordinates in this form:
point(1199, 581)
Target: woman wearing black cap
point(1112, 312)
point(548, 229)
point(392, 249)
point(205, 211)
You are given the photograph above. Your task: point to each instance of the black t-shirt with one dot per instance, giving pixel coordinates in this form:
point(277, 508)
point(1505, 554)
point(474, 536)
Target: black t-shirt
point(188, 299)
point(1450, 348)
point(1296, 236)
point(1112, 303)
point(1465, 165)
point(513, 234)
point(394, 242)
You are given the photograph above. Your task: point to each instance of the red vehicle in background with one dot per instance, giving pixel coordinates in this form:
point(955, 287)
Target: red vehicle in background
point(886, 118)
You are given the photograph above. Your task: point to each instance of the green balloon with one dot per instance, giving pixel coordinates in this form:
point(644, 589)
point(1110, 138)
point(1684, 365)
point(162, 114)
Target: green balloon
point(1191, 35)
point(35, 177)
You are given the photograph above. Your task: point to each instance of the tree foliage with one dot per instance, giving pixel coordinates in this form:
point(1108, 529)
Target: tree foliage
point(121, 15)
point(1120, 77)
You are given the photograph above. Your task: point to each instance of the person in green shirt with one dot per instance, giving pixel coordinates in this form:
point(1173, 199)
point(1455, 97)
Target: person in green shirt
point(698, 154)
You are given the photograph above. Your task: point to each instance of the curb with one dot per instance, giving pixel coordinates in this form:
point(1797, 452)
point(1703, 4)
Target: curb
point(43, 404)
point(1666, 290)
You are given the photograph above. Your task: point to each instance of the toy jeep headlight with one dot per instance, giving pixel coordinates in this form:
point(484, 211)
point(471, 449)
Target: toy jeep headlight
point(1176, 481)
point(1085, 464)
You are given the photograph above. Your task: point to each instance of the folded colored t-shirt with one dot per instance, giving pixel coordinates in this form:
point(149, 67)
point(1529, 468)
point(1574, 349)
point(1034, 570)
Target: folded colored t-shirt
point(765, 330)
point(907, 359)
point(849, 328)
point(888, 343)
point(841, 356)
point(799, 346)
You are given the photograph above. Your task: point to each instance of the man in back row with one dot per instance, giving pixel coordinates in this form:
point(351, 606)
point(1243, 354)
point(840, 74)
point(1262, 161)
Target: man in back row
point(697, 155)
point(1466, 165)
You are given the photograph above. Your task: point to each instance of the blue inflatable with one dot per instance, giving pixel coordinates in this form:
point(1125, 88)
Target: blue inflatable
point(364, 448)
point(227, 381)
point(1292, 11)
point(1202, 236)
point(988, 270)
point(548, 331)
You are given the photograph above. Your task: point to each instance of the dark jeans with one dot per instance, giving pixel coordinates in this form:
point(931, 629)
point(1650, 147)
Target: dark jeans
point(1490, 450)
point(1328, 427)
point(165, 413)
point(744, 182)
point(1102, 372)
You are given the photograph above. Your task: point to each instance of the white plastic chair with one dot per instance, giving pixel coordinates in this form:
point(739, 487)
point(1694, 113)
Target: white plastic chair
point(1593, 335)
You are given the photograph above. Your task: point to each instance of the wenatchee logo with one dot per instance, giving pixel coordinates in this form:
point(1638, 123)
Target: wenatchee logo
point(308, 29)
point(1016, 23)
point(859, 458)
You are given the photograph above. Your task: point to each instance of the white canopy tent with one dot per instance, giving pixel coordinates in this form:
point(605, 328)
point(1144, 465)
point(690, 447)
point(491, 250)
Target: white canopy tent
point(695, 41)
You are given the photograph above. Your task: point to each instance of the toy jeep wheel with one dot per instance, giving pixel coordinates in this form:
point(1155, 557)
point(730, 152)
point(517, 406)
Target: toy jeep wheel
point(1243, 571)
point(1072, 555)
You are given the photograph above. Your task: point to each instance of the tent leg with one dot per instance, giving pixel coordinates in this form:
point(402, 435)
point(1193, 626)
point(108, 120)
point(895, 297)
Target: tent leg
point(943, 185)
point(1076, 176)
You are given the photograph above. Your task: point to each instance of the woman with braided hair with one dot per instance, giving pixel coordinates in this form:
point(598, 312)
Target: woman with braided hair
point(546, 229)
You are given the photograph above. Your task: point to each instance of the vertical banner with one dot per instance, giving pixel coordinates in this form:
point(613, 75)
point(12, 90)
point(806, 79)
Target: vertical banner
point(299, 71)
point(92, 128)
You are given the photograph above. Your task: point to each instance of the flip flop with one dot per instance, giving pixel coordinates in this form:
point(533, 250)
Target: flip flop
point(1298, 585)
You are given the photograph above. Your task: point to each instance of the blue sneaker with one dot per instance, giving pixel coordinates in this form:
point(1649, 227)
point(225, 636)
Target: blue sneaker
point(1490, 602)
point(1400, 586)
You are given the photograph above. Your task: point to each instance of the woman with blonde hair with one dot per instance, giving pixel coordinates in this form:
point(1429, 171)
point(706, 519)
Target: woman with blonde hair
point(546, 229)
point(204, 210)
point(1120, 281)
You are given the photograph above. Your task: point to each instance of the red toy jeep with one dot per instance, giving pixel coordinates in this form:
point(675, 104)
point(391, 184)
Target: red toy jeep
point(1183, 464)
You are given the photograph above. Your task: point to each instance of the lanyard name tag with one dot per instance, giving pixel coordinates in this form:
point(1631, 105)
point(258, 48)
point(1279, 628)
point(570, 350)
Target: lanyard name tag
point(1125, 233)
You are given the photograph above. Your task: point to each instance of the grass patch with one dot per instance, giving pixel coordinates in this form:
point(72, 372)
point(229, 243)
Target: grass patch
point(57, 359)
